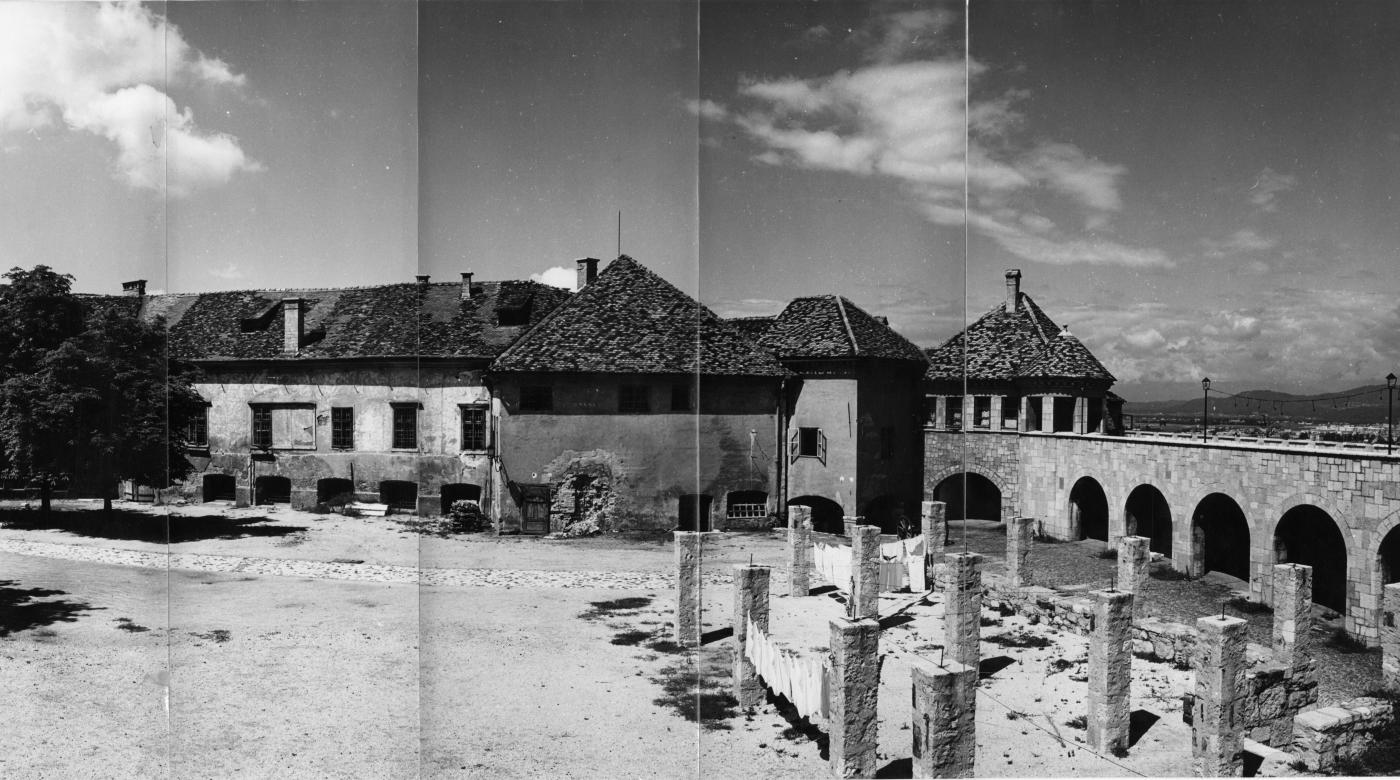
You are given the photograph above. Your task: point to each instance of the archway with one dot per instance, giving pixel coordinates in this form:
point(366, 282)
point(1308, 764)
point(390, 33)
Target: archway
point(1308, 535)
point(220, 487)
point(1088, 510)
point(1219, 537)
point(1389, 555)
point(746, 505)
point(826, 514)
point(273, 490)
point(399, 494)
point(1149, 515)
point(969, 495)
point(886, 512)
point(453, 492)
point(332, 488)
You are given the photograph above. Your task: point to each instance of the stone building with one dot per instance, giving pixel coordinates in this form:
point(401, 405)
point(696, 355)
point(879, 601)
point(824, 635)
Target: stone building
point(852, 411)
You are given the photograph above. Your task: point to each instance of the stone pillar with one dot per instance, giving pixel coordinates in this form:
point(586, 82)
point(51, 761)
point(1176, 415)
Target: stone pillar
point(1110, 671)
point(1134, 556)
point(1217, 713)
point(1047, 413)
point(849, 523)
point(935, 517)
point(962, 607)
point(688, 547)
point(1390, 637)
point(1292, 615)
point(940, 411)
point(944, 718)
point(864, 601)
point(799, 550)
point(750, 603)
point(1020, 536)
point(855, 689)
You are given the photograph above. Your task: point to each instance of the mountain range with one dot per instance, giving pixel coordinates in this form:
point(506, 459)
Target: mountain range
point(1359, 405)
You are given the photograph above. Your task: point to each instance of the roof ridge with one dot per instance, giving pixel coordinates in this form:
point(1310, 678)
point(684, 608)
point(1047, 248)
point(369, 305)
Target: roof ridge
point(841, 307)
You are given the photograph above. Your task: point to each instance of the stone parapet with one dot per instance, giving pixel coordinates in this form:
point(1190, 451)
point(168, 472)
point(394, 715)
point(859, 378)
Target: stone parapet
point(1323, 737)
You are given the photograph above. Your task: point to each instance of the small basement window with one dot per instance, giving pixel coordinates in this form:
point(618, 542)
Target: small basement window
point(746, 505)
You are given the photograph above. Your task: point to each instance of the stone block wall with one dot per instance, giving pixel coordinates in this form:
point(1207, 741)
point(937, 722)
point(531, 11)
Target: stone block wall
point(1323, 737)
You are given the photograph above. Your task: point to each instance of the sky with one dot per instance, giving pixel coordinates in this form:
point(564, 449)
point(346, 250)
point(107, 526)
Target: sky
point(1204, 189)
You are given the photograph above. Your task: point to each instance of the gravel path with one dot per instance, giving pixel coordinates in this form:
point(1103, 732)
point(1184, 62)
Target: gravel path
point(345, 570)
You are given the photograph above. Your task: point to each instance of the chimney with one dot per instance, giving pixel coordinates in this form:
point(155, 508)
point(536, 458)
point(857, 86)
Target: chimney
point(466, 285)
point(292, 326)
point(422, 280)
point(587, 271)
point(135, 289)
point(1013, 290)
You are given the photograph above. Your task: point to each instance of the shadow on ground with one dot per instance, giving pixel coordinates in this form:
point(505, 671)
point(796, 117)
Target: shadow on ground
point(142, 526)
point(21, 608)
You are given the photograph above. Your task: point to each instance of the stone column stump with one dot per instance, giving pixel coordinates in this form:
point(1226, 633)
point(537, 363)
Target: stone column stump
point(855, 689)
point(1020, 537)
point(750, 604)
point(1134, 558)
point(944, 718)
point(962, 607)
point(1217, 714)
point(688, 550)
point(864, 601)
point(799, 550)
point(1110, 671)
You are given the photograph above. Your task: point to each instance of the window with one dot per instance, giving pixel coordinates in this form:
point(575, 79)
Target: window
point(1010, 409)
point(807, 443)
point(536, 398)
point(473, 427)
point(981, 411)
point(952, 414)
point(746, 505)
point(406, 426)
point(197, 433)
point(342, 428)
point(633, 399)
point(886, 443)
point(681, 398)
point(262, 427)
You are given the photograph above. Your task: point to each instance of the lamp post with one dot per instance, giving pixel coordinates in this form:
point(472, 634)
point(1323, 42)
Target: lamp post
point(1205, 407)
point(1389, 412)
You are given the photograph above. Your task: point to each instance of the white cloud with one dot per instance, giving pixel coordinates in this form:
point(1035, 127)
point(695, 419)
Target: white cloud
point(103, 69)
point(1267, 187)
point(1243, 241)
point(228, 271)
point(558, 276)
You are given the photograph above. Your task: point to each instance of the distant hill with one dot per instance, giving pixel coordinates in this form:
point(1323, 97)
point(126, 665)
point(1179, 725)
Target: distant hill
point(1359, 405)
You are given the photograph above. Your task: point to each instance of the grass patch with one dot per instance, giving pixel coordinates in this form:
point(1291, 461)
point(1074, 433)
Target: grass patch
point(1057, 665)
point(696, 698)
point(1343, 642)
point(601, 609)
point(631, 638)
point(1107, 553)
point(1167, 574)
point(217, 636)
point(1044, 539)
point(1078, 722)
point(1019, 639)
point(1244, 605)
point(125, 624)
point(665, 646)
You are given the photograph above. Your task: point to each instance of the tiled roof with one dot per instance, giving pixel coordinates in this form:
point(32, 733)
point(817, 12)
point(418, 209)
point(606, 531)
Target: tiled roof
point(753, 327)
point(829, 326)
point(396, 320)
point(1066, 356)
point(1002, 346)
point(629, 320)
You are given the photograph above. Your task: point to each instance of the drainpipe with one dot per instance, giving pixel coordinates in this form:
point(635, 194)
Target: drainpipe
point(780, 445)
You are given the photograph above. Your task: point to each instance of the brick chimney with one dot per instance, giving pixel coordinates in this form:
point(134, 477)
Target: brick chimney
point(292, 326)
point(136, 288)
point(466, 285)
point(1013, 290)
point(587, 271)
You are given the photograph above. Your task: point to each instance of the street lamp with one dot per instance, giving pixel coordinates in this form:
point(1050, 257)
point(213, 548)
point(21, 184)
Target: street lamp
point(1205, 407)
point(1389, 412)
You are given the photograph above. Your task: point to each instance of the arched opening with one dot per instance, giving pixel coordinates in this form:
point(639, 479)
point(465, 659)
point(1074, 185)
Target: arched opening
point(335, 489)
point(1220, 537)
point(746, 505)
point(1088, 510)
point(1308, 535)
point(1389, 555)
point(399, 494)
point(969, 495)
point(220, 487)
point(273, 490)
point(694, 512)
point(1149, 515)
point(826, 514)
point(886, 512)
point(458, 491)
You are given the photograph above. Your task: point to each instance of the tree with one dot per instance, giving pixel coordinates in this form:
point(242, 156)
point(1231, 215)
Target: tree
point(93, 400)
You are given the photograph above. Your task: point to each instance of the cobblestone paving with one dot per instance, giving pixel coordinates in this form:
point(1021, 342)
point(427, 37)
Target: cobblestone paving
point(334, 570)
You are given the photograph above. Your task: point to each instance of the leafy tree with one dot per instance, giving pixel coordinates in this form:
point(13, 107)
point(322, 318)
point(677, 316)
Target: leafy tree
point(92, 399)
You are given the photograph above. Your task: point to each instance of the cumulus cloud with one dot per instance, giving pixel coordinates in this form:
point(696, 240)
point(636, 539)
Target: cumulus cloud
point(904, 116)
point(558, 276)
point(1267, 187)
point(1242, 241)
point(101, 69)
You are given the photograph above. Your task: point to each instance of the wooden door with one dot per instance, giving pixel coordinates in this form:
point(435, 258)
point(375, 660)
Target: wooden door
point(535, 509)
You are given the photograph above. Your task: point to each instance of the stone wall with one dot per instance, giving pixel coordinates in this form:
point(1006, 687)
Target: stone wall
point(1323, 737)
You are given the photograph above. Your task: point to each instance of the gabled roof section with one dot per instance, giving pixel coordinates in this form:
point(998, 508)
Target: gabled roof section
point(1000, 345)
point(629, 320)
point(396, 320)
point(1066, 356)
point(752, 327)
point(830, 326)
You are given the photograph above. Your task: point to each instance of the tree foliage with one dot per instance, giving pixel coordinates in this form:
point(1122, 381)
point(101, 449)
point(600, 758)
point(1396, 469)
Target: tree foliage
point(88, 395)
